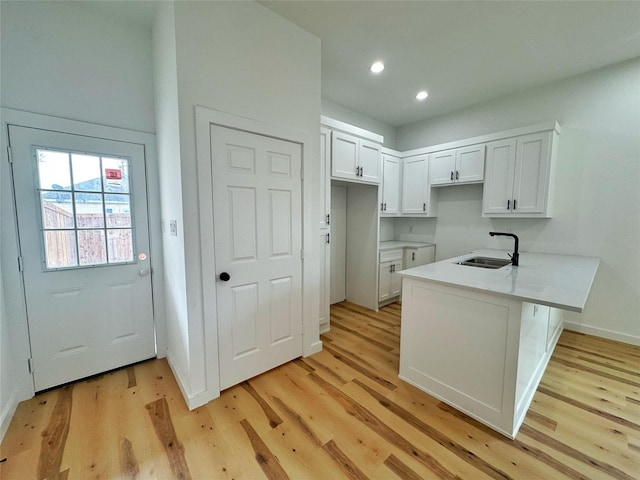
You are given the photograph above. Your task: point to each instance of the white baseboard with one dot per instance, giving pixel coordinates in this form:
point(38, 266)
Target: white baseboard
point(313, 349)
point(604, 333)
point(192, 401)
point(7, 414)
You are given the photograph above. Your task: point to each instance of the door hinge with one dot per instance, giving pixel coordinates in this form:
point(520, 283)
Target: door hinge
point(20, 264)
point(30, 364)
point(9, 154)
point(302, 174)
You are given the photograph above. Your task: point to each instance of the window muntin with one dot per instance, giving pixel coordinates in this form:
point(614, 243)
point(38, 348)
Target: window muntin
point(85, 207)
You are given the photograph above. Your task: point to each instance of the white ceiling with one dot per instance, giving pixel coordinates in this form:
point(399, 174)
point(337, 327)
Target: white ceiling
point(461, 52)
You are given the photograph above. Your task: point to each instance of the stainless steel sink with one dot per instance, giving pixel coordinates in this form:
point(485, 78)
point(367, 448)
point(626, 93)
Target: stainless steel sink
point(485, 262)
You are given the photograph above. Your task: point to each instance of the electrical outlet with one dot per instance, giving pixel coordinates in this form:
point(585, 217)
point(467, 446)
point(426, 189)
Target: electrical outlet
point(173, 228)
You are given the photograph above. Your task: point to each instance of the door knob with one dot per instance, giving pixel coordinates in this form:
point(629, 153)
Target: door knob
point(225, 277)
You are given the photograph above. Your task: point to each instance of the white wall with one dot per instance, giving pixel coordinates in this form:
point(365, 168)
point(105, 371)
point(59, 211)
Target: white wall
point(239, 58)
point(64, 59)
point(346, 115)
point(169, 162)
point(597, 187)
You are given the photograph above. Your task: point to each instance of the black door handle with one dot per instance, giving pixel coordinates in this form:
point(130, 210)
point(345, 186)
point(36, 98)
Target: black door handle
point(225, 277)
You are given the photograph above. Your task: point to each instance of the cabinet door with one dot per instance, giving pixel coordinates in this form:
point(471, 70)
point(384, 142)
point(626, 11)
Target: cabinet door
point(344, 156)
point(384, 281)
point(370, 162)
point(531, 180)
point(469, 164)
point(325, 276)
point(414, 185)
point(442, 167)
point(390, 185)
point(414, 257)
point(498, 184)
point(395, 282)
point(325, 177)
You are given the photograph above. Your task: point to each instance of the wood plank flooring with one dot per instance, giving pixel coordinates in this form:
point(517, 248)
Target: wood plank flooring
point(340, 414)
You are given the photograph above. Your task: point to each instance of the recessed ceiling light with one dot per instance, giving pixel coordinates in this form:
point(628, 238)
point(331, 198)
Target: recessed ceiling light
point(377, 67)
point(422, 95)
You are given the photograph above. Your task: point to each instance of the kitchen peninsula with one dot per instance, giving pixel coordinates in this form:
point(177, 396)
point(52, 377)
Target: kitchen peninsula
point(480, 339)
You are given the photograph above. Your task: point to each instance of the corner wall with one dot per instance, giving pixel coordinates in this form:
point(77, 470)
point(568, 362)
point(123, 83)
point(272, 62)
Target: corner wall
point(597, 187)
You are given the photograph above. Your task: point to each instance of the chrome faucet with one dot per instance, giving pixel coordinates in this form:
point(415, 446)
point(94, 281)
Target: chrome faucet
point(515, 257)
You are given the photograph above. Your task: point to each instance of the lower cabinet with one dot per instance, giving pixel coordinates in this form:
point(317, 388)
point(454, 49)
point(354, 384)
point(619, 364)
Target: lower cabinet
point(416, 256)
point(392, 261)
point(389, 281)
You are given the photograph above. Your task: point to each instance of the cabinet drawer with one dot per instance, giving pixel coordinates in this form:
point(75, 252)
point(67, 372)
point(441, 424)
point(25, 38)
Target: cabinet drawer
point(390, 255)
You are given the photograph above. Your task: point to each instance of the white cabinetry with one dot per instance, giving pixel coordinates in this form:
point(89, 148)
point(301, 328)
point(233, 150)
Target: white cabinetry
point(355, 159)
point(518, 176)
point(416, 256)
point(460, 165)
point(325, 235)
point(396, 257)
point(500, 346)
point(324, 283)
point(417, 196)
point(389, 281)
point(389, 204)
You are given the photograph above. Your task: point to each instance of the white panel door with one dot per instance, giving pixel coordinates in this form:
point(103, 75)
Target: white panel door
point(257, 208)
point(470, 164)
point(498, 185)
point(344, 156)
point(390, 185)
point(530, 179)
point(442, 166)
point(370, 161)
point(338, 268)
point(84, 241)
point(414, 185)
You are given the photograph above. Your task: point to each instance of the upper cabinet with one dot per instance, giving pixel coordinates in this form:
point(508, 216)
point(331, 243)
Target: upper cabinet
point(418, 199)
point(457, 166)
point(355, 159)
point(518, 176)
point(389, 204)
point(325, 177)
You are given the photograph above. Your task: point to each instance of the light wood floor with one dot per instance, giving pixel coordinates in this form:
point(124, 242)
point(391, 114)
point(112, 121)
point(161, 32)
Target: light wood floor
point(342, 413)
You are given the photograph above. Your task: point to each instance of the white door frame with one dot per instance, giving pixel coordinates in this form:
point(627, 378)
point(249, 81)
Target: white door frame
point(13, 280)
point(205, 117)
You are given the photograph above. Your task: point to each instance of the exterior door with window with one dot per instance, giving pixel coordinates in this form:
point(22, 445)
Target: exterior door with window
point(84, 243)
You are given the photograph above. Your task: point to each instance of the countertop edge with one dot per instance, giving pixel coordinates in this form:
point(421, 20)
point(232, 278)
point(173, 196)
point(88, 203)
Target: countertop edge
point(438, 276)
point(537, 301)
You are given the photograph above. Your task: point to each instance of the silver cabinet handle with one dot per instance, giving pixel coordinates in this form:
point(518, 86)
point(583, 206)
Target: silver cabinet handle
point(457, 175)
point(424, 207)
point(514, 203)
point(452, 175)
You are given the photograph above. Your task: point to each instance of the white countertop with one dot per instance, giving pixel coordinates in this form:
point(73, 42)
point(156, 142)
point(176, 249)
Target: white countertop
point(390, 245)
point(561, 281)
